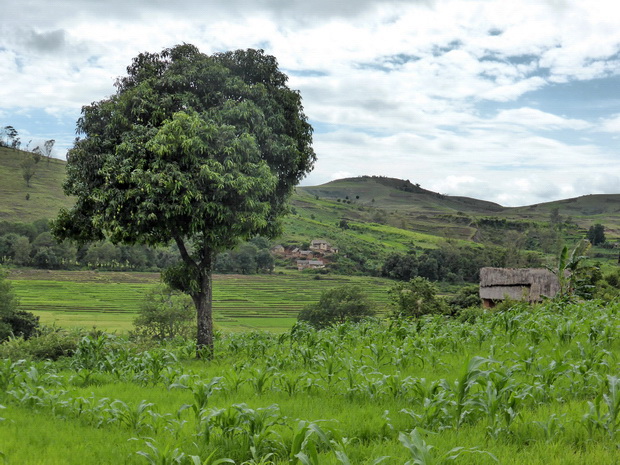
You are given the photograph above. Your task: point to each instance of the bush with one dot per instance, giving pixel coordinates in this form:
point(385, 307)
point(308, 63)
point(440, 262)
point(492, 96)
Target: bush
point(49, 344)
point(466, 297)
point(416, 298)
point(337, 305)
point(165, 314)
point(14, 322)
point(471, 314)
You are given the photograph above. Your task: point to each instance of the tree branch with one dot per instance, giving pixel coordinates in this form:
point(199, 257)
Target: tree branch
point(184, 253)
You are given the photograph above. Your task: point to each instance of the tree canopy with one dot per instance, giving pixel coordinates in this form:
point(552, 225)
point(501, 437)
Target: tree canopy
point(596, 234)
point(198, 149)
point(336, 306)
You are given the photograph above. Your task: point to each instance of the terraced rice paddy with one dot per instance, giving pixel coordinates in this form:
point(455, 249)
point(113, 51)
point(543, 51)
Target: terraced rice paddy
point(110, 300)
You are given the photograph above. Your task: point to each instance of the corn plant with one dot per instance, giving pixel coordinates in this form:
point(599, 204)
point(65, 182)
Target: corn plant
point(163, 456)
point(464, 385)
point(260, 378)
point(552, 427)
point(8, 373)
point(201, 393)
point(291, 384)
point(209, 460)
point(308, 440)
point(233, 380)
point(134, 418)
point(422, 453)
point(258, 459)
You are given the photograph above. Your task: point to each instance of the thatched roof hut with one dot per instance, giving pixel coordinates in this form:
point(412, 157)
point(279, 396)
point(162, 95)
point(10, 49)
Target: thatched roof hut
point(525, 284)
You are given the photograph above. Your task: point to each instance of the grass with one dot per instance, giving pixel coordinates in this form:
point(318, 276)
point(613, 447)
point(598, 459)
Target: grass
point(45, 196)
point(110, 301)
point(514, 384)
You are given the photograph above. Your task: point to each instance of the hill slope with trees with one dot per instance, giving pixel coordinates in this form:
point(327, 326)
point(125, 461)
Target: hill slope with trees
point(370, 217)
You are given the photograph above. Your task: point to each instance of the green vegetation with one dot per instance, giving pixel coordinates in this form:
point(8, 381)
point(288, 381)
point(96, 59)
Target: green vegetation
point(596, 234)
point(526, 385)
point(196, 150)
point(337, 306)
point(13, 321)
point(402, 218)
point(111, 300)
point(42, 199)
point(417, 298)
point(165, 314)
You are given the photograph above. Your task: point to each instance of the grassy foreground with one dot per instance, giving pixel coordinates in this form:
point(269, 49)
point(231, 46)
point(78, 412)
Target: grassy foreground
point(110, 300)
point(525, 386)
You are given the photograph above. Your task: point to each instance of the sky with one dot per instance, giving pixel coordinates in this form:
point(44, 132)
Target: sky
point(515, 102)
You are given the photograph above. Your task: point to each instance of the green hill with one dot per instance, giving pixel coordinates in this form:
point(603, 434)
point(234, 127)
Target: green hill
point(42, 199)
point(368, 214)
point(404, 205)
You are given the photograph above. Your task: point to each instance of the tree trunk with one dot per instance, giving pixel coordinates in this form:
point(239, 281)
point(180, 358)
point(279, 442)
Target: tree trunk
point(204, 312)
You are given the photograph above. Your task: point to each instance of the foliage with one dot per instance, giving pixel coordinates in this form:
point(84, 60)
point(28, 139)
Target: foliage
point(416, 298)
point(196, 149)
point(338, 305)
point(596, 234)
point(165, 314)
point(466, 297)
point(528, 385)
point(14, 322)
point(572, 274)
point(49, 343)
point(451, 262)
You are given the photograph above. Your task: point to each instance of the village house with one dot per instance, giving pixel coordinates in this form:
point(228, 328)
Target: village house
point(522, 284)
point(278, 249)
point(303, 264)
point(323, 246)
point(316, 257)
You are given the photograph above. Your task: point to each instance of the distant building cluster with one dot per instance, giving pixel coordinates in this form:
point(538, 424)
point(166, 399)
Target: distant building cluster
point(316, 257)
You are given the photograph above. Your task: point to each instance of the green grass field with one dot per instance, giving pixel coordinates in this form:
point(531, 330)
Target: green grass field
point(110, 300)
point(526, 386)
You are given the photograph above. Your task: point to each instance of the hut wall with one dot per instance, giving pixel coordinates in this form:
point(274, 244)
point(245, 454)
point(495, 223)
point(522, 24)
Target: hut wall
point(517, 283)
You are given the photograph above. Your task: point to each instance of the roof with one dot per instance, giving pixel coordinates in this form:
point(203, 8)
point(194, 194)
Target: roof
point(518, 283)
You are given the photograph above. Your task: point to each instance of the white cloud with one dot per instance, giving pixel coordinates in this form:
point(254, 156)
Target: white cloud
point(397, 84)
point(537, 119)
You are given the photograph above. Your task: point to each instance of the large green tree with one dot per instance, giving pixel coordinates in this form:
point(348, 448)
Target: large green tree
point(202, 150)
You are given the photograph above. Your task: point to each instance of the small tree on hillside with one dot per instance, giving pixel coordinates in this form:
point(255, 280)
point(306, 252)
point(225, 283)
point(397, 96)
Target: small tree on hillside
point(596, 234)
point(338, 305)
point(48, 148)
point(198, 150)
point(28, 167)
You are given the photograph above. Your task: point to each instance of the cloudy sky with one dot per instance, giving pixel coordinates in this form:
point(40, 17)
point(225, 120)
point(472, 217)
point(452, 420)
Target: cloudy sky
point(516, 102)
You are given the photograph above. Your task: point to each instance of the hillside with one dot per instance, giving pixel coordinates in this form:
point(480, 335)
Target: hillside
point(368, 215)
point(404, 205)
point(42, 199)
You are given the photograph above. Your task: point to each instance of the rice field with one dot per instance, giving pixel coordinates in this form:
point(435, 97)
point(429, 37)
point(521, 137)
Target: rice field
point(110, 300)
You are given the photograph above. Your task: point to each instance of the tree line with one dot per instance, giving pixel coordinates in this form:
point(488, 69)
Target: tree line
point(32, 244)
point(453, 263)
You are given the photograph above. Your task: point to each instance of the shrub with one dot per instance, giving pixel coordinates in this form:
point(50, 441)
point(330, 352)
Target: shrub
point(466, 297)
point(416, 298)
point(49, 344)
point(165, 314)
point(14, 322)
point(337, 305)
